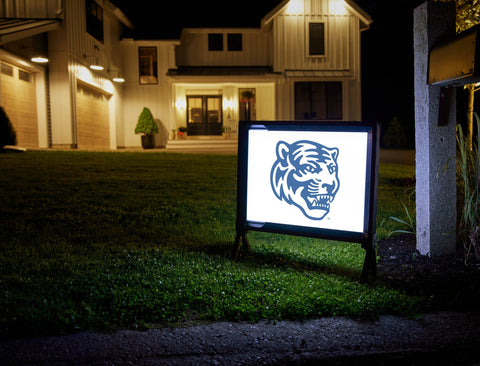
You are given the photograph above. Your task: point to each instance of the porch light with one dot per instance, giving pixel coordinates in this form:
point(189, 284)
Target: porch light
point(337, 7)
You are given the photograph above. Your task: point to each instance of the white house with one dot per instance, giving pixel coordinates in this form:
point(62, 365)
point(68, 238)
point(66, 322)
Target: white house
point(302, 63)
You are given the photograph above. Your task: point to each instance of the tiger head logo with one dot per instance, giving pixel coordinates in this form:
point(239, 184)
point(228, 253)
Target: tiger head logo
point(305, 174)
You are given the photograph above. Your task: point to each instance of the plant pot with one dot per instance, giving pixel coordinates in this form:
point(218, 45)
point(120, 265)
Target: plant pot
point(148, 141)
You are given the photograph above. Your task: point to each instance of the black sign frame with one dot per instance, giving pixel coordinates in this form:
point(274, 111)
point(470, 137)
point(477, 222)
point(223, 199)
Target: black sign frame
point(367, 237)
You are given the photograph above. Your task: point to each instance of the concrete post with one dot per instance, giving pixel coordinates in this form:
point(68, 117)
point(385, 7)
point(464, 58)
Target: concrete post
point(435, 145)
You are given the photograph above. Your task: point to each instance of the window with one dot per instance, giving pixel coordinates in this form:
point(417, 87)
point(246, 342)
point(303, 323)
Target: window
point(94, 17)
point(234, 41)
point(316, 46)
point(318, 101)
point(7, 69)
point(24, 75)
point(215, 42)
point(247, 108)
point(147, 65)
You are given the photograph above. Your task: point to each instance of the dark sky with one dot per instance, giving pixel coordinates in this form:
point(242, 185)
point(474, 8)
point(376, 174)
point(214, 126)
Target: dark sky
point(387, 47)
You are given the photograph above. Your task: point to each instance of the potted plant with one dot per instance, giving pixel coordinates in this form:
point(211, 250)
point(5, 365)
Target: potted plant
point(146, 124)
point(182, 132)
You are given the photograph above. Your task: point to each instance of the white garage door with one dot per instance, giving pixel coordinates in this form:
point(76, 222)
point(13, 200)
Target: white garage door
point(92, 119)
point(18, 99)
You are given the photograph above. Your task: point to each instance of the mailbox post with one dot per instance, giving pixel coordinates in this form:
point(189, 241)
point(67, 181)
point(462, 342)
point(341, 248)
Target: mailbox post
point(435, 142)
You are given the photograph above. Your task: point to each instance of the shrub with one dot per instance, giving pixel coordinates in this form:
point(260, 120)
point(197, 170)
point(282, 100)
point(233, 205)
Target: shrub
point(468, 177)
point(7, 132)
point(146, 123)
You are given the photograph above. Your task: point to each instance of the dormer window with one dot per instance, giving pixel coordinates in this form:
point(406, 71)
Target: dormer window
point(316, 44)
point(94, 15)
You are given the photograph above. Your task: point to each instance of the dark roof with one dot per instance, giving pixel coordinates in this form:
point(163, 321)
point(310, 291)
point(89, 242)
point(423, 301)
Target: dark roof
point(220, 71)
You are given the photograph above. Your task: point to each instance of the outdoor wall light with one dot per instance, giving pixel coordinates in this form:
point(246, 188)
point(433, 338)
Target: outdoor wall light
point(96, 67)
point(96, 64)
point(39, 59)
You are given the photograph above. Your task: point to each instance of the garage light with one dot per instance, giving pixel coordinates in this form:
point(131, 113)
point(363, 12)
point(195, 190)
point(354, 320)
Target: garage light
point(96, 67)
point(39, 59)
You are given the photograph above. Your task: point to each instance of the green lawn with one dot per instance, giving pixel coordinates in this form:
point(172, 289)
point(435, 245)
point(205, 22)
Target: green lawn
point(133, 240)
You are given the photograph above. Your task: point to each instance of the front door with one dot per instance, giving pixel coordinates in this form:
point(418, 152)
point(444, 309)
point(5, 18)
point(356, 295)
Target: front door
point(204, 115)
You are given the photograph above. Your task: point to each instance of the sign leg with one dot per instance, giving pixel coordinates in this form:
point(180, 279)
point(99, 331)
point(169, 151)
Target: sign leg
point(370, 263)
point(241, 242)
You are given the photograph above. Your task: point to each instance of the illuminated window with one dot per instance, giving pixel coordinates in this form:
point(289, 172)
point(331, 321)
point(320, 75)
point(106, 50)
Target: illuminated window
point(316, 46)
point(147, 65)
point(215, 42)
point(318, 101)
point(94, 16)
point(234, 41)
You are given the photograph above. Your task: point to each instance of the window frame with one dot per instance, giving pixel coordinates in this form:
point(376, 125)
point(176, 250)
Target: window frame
point(233, 42)
point(309, 39)
point(94, 20)
point(153, 66)
point(215, 42)
point(310, 114)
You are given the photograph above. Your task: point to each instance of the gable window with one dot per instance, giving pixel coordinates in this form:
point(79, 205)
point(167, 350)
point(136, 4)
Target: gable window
point(94, 16)
point(147, 65)
point(316, 45)
point(234, 41)
point(215, 42)
point(318, 101)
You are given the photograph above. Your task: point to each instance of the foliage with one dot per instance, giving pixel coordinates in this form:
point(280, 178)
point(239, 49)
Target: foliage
point(395, 136)
point(146, 123)
point(468, 175)
point(99, 241)
point(8, 135)
point(468, 13)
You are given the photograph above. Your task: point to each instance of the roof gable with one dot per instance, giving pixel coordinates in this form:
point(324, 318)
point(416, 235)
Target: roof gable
point(365, 19)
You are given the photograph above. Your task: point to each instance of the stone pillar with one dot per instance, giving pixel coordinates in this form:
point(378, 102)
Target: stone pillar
point(435, 145)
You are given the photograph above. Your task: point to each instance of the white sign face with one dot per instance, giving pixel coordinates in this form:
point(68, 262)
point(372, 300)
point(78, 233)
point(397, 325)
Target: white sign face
point(314, 179)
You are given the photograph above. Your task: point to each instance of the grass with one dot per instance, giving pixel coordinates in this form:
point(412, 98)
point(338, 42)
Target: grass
point(100, 241)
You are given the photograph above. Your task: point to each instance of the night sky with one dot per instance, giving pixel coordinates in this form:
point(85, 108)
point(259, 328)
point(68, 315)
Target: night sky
point(387, 47)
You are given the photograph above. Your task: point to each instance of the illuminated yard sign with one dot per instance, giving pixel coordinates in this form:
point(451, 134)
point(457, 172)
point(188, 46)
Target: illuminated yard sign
point(315, 179)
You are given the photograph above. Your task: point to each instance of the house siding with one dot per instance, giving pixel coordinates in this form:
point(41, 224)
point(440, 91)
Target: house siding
point(193, 48)
point(71, 50)
point(156, 97)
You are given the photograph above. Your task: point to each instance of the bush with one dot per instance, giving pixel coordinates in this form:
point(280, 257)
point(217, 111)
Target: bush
point(7, 132)
point(395, 136)
point(146, 123)
point(468, 177)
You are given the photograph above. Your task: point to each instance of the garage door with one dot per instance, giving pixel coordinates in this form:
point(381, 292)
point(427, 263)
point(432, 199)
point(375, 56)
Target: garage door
point(92, 119)
point(19, 102)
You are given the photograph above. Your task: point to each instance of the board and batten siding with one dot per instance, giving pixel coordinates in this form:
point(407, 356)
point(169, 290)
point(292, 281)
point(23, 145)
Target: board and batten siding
point(156, 97)
point(71, 51)
point(193, 48)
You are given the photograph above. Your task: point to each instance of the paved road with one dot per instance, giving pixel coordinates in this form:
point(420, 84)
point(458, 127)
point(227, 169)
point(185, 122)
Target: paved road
point(432, 339)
